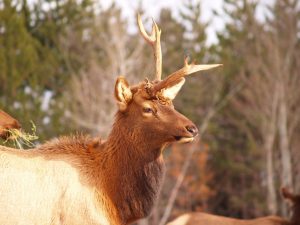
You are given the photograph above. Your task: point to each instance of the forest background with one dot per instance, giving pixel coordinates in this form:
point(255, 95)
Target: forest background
point(59, 60)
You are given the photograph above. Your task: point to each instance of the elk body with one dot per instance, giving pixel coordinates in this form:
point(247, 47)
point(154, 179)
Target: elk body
point(78, 180)
point(209, 219)
point(7, 122)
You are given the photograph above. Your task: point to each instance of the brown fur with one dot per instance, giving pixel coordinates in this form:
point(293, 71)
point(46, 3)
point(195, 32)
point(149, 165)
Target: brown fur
point(209, 219)
point(7, 122)
point(123, 174)
point(295, 202)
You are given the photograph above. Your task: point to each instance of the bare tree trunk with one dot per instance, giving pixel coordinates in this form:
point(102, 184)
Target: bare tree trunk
point(155, 215)
point(269, 138)
point(143, 222)
point(297, 173)
point(286, 163)
point(287, 179)
point(272, 201)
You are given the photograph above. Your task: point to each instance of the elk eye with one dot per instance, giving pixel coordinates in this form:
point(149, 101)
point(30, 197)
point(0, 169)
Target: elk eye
point(147, 110)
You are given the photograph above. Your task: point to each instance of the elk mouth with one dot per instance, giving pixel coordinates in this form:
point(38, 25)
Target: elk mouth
point(183, 139)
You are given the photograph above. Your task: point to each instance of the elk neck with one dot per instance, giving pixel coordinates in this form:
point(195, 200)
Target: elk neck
point(134, 170)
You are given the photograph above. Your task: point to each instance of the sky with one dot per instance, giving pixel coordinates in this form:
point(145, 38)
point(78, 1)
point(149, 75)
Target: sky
point(153, 7)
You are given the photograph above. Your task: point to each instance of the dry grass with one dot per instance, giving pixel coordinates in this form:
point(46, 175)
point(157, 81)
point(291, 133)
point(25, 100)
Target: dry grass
point(20, 138)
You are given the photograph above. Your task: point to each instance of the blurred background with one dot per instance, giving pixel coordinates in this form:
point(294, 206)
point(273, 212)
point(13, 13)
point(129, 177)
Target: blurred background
point(59, 60)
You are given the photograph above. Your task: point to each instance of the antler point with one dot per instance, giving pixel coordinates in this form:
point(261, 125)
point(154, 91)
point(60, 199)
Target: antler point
point(186, 60)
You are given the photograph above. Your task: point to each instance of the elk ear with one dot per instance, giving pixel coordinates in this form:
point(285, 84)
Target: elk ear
point(123, 93)
point(286, 194)
point(172, 91)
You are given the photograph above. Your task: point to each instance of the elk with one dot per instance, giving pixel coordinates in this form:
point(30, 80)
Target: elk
point(294, 200)
point(6, 123)
point(209, 219)
point(80, 180)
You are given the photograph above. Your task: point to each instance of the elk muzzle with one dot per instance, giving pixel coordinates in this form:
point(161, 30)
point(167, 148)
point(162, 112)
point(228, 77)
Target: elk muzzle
point(190, 132)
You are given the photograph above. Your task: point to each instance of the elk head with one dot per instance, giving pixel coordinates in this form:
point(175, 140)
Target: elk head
point(7, 122)
point(295, 205)
point(148, 106)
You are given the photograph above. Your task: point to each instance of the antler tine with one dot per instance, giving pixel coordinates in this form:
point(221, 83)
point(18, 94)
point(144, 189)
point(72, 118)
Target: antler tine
point(154, 41)
point(180, 74)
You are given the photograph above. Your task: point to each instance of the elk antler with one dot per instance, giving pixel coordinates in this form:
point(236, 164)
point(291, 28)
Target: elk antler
point(154, 41)
point(175, 77)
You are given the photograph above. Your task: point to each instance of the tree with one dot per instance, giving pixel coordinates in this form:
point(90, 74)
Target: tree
point(252, 113)
point(33, 68)
point(172, 42)
point(114, 52)
point(195, 37)
point(263, 56)
point(284, 30)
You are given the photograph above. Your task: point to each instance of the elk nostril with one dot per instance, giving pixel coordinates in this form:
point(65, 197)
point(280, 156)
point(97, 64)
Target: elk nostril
point(192, 129)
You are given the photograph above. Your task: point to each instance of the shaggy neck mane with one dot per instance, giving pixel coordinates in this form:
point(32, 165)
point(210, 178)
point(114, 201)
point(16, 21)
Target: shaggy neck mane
point(135, 170)
point(126, 168)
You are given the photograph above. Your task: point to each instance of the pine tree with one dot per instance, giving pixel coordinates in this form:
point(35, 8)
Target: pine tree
point(235, 139)
point(32, 61)
point(195, 36)
point(172, 42)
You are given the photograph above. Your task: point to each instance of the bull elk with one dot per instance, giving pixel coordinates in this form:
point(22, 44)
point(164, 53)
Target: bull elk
point(77, 180)
point(6, 123)
point(199, 218)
